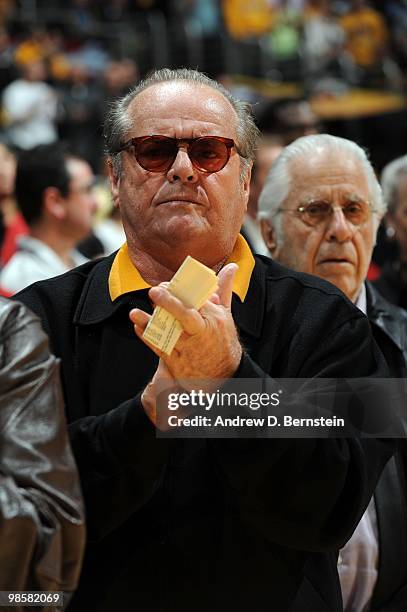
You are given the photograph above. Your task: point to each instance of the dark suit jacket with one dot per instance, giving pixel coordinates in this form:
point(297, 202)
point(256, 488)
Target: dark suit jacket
point(209, 524)
point(389, 325)
point(392, 283)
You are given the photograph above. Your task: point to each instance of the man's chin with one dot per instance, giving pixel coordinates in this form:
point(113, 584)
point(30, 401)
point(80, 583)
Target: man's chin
point(184, 227)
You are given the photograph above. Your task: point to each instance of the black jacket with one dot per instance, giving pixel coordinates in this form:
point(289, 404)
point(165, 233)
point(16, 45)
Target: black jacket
point(392, 283)
point(42, 534)
point(389, 325)
point(209, 524)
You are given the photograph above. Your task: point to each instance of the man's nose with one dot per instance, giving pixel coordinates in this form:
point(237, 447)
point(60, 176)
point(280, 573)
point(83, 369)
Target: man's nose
point(339, 229)
point(182, 169)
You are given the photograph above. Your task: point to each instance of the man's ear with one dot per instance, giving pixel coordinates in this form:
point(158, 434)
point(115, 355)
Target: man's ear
point(246, 183)
point(269, 235)
point(53, 203)
point(114, 183)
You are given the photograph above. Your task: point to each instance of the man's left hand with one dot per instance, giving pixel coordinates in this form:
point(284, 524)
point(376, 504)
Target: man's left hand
point(209, 346)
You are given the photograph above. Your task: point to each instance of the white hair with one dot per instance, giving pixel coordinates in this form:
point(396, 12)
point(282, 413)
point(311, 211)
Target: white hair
point(279, 180)
point(390, 180)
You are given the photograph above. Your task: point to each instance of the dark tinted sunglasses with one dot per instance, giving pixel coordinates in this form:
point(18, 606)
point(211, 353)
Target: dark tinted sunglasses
point(157, 153)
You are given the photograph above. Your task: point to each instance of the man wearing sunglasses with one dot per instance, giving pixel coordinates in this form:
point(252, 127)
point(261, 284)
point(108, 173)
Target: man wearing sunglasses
point(200, 524)
point(321, 207)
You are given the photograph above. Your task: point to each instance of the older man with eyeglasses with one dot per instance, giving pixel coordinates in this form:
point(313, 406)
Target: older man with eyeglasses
point(320, 210)
point(202, 524)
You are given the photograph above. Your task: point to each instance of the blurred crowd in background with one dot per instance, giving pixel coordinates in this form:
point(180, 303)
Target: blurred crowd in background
point(62, 62)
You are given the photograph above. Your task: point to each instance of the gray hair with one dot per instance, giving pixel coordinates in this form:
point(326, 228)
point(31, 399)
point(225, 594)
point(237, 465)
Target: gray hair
point(279, 180)
point(389, 179)
point(118, 123)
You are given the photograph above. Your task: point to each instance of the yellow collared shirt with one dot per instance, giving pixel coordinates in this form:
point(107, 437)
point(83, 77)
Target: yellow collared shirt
point(124, 276)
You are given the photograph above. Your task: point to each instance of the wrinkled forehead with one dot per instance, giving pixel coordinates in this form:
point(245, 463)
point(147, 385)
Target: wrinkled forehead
point(329, 169)
point(180, 103)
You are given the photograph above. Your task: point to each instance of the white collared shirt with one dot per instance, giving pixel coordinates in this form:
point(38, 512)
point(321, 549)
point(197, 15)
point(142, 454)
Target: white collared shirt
point(361, 301)
point(34, 261)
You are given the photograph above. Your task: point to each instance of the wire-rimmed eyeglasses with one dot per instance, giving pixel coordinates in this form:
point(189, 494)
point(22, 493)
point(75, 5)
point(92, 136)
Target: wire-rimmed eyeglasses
point(316, 213)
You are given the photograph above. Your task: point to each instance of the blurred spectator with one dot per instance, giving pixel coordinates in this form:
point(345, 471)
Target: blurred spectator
point(366, 39)
point(201, 16)
point(6, 8)
point(45, 45)
point(5, 180)
point(106, 237)
point(239, 90)
point(30, 108)
point(286, 31)
point(12, 224)
point(323, 42)
point(8, 70)
point(55, 194)
point(110, 232)
point(267, 151)
point(91, 54)
point(30, 49)
point(42, 533)
point(7, 172)
point(396, 12)
point(107, 234)
point(82, 114)
point(119, 76)
point(247, 19)
point(287, 118)
point(392, 283)
point(82, 16)
point(204, 31)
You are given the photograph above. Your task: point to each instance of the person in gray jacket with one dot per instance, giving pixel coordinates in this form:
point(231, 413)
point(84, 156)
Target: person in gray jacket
point(42, 532)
